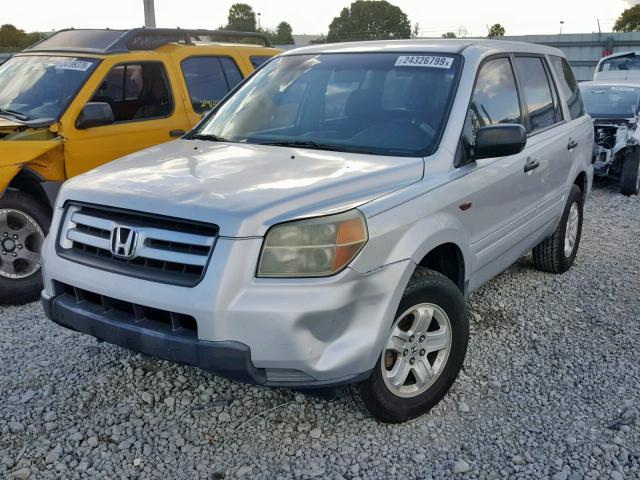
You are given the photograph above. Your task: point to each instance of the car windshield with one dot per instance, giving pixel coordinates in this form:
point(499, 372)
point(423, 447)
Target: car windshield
point(379, 103)
point(611, 101)
point(617, 64)
point(40, 86)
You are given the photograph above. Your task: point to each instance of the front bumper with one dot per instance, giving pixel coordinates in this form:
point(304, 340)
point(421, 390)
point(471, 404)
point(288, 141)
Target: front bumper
point(227, 359)
point(276, 332)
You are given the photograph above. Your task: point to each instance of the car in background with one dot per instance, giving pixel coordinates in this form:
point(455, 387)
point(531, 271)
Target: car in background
point(614, 108)
point(4, 57)
point(618, 67)
point(321, 226)
point(81, 98)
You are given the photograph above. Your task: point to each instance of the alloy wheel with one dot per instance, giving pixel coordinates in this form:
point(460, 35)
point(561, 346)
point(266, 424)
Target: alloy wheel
point(417, 350)
point(21, 241)
point(571, 232)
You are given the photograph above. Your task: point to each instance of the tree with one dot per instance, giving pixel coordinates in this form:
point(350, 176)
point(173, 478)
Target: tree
point(415, 33)
point(629, 20)
point(241, 18)
point(33, 37)
point(369, 20)
point(496, 30)
point(449, 35)
point(284, 34)
point(11, 37)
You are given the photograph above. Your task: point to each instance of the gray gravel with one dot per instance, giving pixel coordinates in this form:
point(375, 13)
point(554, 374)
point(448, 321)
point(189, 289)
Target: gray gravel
point(550, 390)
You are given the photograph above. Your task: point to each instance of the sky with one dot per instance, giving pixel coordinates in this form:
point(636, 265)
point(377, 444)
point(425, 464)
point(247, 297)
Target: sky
point(313, 17)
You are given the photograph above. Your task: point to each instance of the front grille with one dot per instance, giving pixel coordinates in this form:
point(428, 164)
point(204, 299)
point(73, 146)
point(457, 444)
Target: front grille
point(127, 312)
point(167, 250)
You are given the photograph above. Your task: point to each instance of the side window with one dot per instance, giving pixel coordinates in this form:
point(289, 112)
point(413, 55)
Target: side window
point(495, 97)
point(258, 60)
point(209, 79)
point(136, 92)
point(568, 86)
point(234, 77)
point(537, 93)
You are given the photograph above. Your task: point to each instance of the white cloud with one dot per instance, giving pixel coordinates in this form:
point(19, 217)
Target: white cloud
point(632, 2)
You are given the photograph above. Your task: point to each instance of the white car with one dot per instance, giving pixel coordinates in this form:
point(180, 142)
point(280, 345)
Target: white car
point(615, 108)
point(322, 225)
point(621, 66)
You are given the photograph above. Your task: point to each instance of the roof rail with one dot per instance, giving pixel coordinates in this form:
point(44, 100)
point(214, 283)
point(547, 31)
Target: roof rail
point(105, 41)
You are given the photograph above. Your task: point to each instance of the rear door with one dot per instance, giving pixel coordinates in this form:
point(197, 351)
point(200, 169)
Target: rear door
point(579, 134)
point(207, 78)
point(547, 140)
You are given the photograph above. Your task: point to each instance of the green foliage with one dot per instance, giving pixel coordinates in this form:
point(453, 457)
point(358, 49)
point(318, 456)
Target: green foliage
point(449, 35)
point(13, 39)
point(496, 30)
point(284, 34)
point(33, 37)
point(241, 18)
point(629, 20)
point(369, 20)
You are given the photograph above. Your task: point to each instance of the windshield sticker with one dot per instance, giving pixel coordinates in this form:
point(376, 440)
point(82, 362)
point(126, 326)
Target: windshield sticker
point(77, 65)
point(424, 61)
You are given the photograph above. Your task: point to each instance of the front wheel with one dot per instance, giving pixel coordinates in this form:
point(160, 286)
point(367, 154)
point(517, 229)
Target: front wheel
point(24, 222)
point(630, 178)
point(423, 354)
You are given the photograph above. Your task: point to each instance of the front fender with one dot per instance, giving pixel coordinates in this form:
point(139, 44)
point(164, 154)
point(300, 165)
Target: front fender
point(21, 152)
point(391, 242)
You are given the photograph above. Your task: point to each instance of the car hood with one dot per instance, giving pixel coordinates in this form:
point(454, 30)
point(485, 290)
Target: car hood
point(244, 189)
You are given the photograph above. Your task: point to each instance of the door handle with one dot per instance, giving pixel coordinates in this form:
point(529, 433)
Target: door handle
point(572, 144)
point(176, 133)
point(531, 164)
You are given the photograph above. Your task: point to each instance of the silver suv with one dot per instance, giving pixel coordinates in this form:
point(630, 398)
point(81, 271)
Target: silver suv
point(322, 226)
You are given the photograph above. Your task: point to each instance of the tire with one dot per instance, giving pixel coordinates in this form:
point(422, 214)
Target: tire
point(375, 395)
point(24, 222)
point(630, 178)
point(550, 255)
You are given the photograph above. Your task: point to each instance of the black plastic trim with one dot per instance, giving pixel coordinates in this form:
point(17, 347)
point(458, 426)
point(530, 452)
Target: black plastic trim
point(228, 359)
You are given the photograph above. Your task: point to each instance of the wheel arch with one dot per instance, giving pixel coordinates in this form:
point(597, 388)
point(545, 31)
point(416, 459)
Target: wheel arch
point(29, 182)
point(582, 182)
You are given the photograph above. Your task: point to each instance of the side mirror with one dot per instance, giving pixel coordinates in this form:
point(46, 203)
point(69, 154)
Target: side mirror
point(499, 141)
point(95, 114)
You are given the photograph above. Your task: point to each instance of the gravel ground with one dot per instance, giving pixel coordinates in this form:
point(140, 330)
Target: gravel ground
point(550, 389)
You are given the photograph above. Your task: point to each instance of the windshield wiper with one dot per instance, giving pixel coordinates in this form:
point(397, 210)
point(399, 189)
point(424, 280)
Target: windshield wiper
point(316, 146)
point(208, 137)
point(14, 113)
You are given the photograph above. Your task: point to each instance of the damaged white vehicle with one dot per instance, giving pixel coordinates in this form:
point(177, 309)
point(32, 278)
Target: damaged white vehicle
point(615, 109)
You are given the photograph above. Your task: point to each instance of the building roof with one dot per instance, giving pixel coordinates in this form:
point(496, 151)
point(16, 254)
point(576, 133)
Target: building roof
point(120, 41)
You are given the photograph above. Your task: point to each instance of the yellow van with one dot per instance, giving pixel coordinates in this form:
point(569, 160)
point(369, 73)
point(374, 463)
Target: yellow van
point(81, 98)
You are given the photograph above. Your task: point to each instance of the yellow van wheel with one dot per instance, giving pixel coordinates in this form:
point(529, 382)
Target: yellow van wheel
point(24, 223)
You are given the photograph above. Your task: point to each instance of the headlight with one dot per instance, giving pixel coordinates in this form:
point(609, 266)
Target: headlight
point(316, 247)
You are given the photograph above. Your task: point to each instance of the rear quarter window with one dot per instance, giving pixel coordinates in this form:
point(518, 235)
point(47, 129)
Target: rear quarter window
point(568, 86)
point(258, 60)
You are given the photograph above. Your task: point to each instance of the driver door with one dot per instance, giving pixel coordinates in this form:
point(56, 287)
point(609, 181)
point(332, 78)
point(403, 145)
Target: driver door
point(147, 111)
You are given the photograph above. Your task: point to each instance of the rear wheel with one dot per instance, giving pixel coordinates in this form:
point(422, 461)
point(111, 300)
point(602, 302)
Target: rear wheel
point(424, 352)
point(24, 223)
point(557, 253)
point(630, 178)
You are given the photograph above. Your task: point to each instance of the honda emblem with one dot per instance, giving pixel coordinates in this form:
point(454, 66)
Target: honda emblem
point(123, 242)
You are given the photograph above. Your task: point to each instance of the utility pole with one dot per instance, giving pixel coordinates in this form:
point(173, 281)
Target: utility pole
point(561, 25)
point(149, 14)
